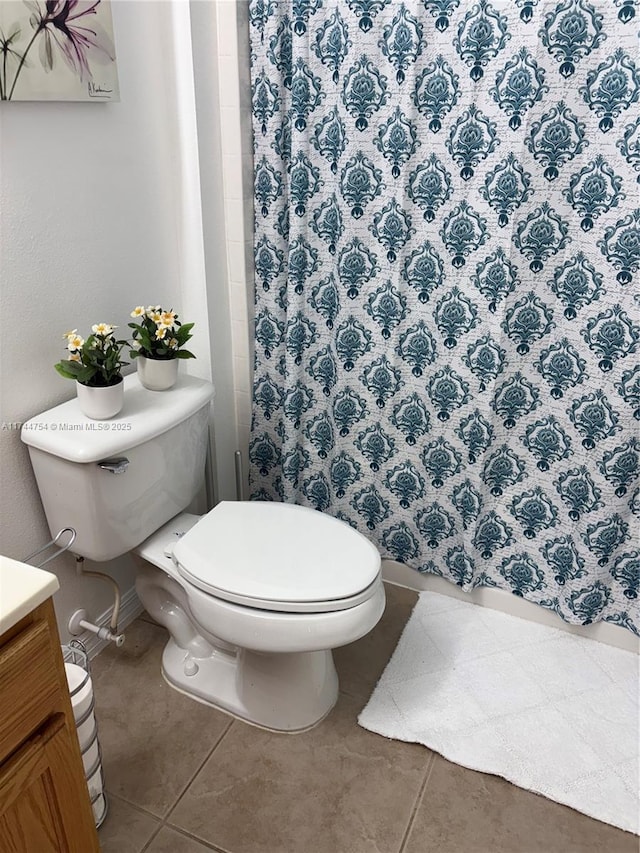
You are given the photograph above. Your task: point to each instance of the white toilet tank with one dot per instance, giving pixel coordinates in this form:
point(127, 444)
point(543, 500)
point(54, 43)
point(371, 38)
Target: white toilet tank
point(117, 481)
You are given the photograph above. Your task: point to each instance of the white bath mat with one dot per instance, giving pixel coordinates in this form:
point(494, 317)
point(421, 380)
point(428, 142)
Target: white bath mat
point(549, 711)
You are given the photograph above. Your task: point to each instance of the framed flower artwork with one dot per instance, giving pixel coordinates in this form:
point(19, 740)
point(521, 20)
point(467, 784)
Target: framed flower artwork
point(57, 50)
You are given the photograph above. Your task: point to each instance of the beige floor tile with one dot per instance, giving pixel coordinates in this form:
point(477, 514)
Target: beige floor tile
point(467, 812)
point(170, 841)
point(335, 789)
point(125, 829)
point(153, 739)
point(361, 664)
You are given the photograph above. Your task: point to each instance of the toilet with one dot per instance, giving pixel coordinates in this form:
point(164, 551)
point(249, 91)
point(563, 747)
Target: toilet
point(254, 595)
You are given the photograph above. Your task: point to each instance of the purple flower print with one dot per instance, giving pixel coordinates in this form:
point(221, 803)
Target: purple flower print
point(59, 22)
point(66, 27)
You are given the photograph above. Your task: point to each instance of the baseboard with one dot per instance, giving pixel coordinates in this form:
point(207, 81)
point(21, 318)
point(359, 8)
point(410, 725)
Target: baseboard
point(499, 599)
point(130, 609)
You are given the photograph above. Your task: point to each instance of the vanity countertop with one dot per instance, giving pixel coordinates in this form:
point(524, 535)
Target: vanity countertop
point(22, 588)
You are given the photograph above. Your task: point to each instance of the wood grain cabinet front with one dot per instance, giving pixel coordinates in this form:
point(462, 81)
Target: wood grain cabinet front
point(44, 802)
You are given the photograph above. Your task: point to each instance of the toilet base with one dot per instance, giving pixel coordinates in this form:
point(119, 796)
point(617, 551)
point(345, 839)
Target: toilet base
point(279, 692)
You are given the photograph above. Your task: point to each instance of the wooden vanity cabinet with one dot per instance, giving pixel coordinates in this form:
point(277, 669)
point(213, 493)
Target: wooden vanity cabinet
point(44, 801)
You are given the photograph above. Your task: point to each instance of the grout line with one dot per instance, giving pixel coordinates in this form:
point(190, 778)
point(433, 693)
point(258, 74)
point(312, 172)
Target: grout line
point(417, 802)
point(152, 838)
point(360, 698)
point(163, 820)
point(352, 695)
point(138, 808)
point(209, 845)
point(200, 766)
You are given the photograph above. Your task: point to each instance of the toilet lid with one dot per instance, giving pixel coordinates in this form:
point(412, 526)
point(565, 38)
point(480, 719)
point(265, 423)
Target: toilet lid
point(278, 556)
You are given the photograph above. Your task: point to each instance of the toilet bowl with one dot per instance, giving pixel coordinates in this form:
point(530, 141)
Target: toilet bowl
point(255, 596)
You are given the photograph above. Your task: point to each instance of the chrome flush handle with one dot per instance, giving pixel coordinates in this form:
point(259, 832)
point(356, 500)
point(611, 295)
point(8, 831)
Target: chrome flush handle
point(114, 466)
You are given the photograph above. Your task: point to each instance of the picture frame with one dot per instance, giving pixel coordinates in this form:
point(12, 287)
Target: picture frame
point(57, 50)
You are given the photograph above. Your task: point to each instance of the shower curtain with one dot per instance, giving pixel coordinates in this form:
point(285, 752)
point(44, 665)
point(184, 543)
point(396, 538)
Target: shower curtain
point(447, 259)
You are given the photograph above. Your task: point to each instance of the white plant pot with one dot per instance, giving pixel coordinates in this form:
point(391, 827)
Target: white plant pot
point(157, 374)
point(100, 403)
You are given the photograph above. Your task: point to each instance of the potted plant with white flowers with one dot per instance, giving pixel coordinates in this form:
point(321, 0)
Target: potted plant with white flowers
point(158, 345)
point(96, 365)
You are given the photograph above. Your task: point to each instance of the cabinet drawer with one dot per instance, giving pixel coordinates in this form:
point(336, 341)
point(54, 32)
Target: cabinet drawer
point(29, 688)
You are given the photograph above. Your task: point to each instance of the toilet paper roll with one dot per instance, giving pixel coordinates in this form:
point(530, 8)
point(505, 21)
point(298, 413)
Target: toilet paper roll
point(87, 731)
point(99, 807)
point(91, 757)
point(95, 784)
point(80, 688)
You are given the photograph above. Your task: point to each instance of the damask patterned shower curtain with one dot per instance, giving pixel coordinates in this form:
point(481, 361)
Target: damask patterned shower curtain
point(447, 254)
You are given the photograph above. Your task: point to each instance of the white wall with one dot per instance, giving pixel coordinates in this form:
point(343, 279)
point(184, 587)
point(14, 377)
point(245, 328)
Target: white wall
point(223, 102)
point(100, 211)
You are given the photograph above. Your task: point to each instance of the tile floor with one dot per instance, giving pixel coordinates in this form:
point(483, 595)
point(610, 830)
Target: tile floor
point(183, 778)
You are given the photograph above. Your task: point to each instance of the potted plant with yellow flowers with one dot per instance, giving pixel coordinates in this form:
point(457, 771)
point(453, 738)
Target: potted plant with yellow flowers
point(158, 345)
point(96, 365)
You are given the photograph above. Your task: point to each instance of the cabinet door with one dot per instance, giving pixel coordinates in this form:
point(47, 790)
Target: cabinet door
point(39, 795)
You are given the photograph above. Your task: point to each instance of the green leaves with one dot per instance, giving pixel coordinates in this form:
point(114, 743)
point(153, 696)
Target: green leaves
point(100, 363)
point(142, 334)
point(68, 369)
point(183, 335)
point(145, 334)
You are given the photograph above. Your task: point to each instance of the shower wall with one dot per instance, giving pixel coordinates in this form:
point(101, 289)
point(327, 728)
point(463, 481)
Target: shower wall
point(234, 116)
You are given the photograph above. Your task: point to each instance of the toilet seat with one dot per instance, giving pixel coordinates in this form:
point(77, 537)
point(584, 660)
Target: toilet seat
point(274, 606)
point(278, 557)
